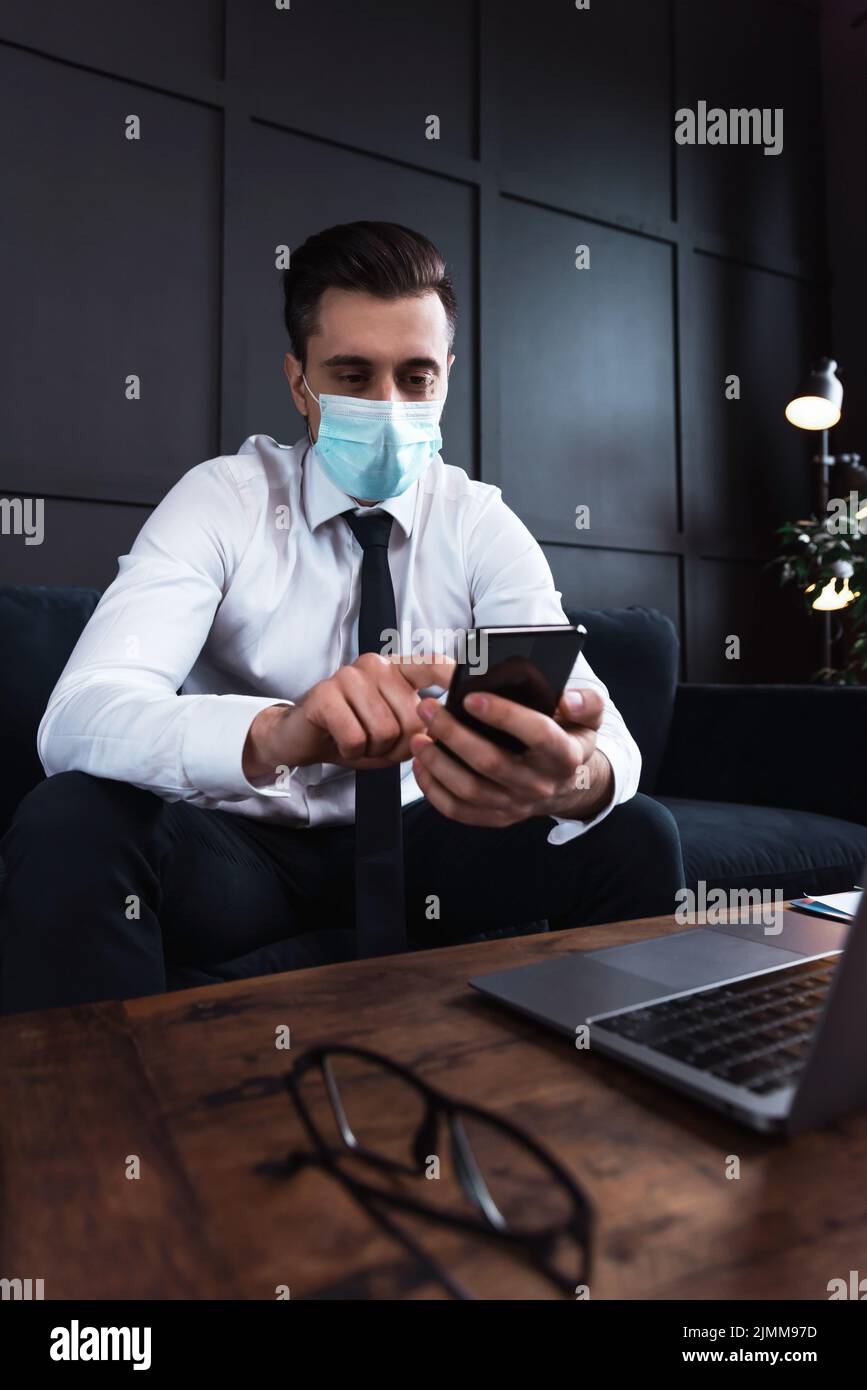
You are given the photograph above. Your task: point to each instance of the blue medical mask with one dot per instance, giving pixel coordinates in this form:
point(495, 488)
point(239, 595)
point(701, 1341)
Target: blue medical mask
point(376, 449)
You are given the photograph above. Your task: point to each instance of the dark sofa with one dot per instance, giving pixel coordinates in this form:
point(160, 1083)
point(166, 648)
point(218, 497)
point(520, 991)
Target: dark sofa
point(767, 783)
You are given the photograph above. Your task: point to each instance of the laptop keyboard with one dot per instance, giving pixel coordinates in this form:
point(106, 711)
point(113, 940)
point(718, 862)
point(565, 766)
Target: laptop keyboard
point(752, 1033)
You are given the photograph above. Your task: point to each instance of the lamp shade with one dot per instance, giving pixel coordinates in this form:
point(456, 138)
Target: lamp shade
point(816, 405)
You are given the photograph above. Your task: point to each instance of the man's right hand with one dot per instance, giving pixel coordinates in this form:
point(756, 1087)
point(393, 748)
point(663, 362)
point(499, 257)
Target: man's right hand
point(361, 717)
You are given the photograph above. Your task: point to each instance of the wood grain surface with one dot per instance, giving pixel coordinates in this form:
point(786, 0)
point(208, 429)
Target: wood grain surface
point(191, 1084)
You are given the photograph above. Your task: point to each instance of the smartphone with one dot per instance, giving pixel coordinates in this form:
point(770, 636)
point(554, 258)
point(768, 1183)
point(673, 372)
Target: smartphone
point(529, 665)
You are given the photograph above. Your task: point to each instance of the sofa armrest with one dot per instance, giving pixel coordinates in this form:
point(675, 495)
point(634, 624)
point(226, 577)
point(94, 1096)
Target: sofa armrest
point(803, 747)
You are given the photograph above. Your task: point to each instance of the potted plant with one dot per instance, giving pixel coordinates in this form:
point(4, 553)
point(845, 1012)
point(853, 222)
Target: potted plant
point(827, 558)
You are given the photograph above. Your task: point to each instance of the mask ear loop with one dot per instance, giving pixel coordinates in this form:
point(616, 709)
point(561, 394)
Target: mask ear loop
point(307, 417)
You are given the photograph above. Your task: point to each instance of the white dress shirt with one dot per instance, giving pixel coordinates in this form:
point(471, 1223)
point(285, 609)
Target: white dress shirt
point(242, 591)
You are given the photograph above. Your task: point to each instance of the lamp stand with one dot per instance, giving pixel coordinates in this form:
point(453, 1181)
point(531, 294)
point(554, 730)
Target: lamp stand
point(826, 463)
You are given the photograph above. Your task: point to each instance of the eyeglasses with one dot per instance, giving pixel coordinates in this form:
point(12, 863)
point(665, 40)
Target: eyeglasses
point(386, 1117)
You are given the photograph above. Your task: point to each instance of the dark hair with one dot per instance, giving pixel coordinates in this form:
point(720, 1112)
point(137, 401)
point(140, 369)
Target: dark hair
point(381, 258)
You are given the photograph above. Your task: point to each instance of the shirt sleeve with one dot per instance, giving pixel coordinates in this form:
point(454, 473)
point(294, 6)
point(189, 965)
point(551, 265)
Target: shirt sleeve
point(115, 711)
point(511, 582)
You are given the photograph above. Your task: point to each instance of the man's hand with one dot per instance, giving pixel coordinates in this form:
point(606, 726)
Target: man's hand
point(562, 773)
point(361, 717)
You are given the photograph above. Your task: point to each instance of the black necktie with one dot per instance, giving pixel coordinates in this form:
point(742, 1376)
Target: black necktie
point(380, 921)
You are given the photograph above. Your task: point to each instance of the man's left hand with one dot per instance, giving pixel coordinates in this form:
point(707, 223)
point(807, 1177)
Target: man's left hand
point(562, 773)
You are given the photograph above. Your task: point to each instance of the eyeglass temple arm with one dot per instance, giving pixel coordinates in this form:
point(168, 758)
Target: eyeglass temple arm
point(417, 1251)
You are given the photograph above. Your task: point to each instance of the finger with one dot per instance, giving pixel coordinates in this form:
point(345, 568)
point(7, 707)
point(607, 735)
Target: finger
point(551, 753)
point(483, 756)
point(421, 674)
point(403, 701)
point(581, 706)
point(339, 721)
point(450, 805)
point(534, 729)
point(460, 781)
point(374, 713)
point(401, 698)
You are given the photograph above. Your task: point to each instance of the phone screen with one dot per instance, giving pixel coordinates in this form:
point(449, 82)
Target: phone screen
point(529, 665)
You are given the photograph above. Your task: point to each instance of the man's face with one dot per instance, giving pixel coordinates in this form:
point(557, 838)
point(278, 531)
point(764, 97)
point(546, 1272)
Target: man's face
point(375, 349)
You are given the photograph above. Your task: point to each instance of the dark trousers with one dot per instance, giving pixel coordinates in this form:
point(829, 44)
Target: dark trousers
point(112, 893)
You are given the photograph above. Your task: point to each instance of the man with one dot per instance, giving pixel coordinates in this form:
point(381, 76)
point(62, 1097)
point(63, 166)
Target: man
point(203, 743)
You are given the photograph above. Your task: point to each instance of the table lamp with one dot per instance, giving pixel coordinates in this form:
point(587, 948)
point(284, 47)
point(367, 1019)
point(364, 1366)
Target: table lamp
point(817, 405)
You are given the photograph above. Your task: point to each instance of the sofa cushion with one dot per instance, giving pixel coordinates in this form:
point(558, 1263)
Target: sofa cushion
point(635, 651)
point(734, 846)
point(39, 626)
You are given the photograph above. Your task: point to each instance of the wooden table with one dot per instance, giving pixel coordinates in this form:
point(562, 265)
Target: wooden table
point(189, 1083)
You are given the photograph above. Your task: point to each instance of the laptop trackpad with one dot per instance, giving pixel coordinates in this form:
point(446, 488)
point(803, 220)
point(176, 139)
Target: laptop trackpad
point(563, 991)
point(689, 959)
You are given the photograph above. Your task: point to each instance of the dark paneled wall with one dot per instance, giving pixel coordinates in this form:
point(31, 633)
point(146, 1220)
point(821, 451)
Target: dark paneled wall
point(844, 25)
point(600, 387)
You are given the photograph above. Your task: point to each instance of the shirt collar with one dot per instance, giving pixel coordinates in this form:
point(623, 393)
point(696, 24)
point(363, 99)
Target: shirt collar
point(323, 499)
